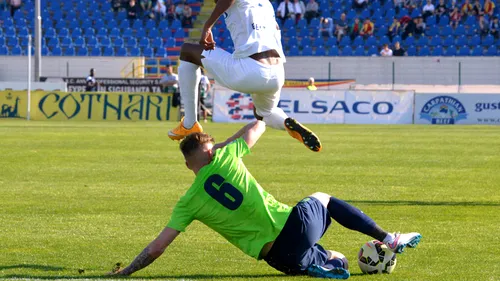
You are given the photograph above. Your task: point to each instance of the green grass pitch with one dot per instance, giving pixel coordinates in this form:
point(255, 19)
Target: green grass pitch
point(87, 195)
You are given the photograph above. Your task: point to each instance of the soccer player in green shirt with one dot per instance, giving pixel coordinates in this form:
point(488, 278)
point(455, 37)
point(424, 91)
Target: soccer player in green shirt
point(228, 199)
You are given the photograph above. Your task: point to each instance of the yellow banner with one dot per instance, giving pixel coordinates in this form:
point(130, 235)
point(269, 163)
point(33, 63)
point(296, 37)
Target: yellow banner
point(62, 106)
point(13, 104)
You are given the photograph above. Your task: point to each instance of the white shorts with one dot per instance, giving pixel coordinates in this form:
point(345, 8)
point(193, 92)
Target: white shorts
point(246, 75)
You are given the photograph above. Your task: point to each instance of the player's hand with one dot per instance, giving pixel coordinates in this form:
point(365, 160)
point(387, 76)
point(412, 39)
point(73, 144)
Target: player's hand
point(117, 270)
point(207, 39)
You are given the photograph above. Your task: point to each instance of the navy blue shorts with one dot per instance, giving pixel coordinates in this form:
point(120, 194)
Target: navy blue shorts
point(295, 248)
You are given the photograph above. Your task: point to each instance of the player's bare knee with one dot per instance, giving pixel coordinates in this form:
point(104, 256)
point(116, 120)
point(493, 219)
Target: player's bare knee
point(322, 197)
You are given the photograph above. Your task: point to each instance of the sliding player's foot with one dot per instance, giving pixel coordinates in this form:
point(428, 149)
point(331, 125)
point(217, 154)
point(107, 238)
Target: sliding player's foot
point(332, 273)
point(303, 134)
point(180, 132)
point(401, 241)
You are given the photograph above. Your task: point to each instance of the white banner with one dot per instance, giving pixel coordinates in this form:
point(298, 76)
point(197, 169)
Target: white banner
point(322, 107)
point(444, 109)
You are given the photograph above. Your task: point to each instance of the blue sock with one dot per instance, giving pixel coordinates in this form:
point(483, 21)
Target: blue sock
point(351, 217)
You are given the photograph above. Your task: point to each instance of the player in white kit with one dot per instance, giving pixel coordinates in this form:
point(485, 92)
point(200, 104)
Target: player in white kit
point(255, 67)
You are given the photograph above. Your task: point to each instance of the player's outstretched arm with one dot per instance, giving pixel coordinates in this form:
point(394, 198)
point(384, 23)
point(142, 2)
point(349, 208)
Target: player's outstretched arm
point(250, 133)
point(151, 252)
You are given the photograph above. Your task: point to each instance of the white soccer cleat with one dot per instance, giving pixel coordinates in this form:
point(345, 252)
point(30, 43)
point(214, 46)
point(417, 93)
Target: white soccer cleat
point(401, 241)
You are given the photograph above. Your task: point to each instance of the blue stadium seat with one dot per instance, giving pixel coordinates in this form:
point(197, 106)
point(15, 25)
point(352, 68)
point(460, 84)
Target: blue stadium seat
point(79, 42)
point(144, 42)
point(436, 41)
point(16, 51)
point(359, 51)
point(462, 40)
point(424, 51)
point(447, 30)
point(60, 24)
point(477, 51)
point(291, 32)
point(460, 30)
point(433, 30)
point(83, 52)
point(302, 24)
point(451, 51)
point(411, 51)
point(74, 23)
point(96, 52)
point(25, 42)
point(415, 13)
point(131, 42)
point(358, 41)
point(347, 51)
point(176, 24)
point(304, 32)
point(444, 21)
point(384, 40)
point(12, 41)
point(150, 24)
point(161, 53)
point(350, 15)
point(314, 23)
point(135, 52)
point(47, 23)
point(104, 42)
point(148, 52)
point(140, 32)
point(124, 24)
point(115, 32)
point(422, 41)
point(397, 38)
point(409, 41)
point(464, 51)
point(77, 32)
point(365, 14)
point(118, 42)
point(448, 41)
point(108, 52)
point(102, 32)
point(153, 33)
point(179, 33)
point(56, 51)
point(2, 40)
point(333, 51)
point(4, 51)
point(318, 41)
point(492, 51)
point(163, 25)
point(320, 51)
point(98, 24)
point(345, 41)
point(70, 52)
point(53, 42)
point(373, 51)
point(471, 31)
point(63, 32)
point(294, 51)
point(89, 32)
point(470, 21)
point(438, 51)
point(403, 12)
point(306, 41)
point(45, 51)
point(157, 43)
point(170, 42)
point(66, 42)
point(111, 24)
point(476, 40)
point(122, 52)
point(307, 51)
point(488, 40)
point(289, 23)
point(137, 24)
point(86, 23)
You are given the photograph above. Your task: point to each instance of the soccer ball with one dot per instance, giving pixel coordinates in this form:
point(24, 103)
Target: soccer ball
point(375, 258)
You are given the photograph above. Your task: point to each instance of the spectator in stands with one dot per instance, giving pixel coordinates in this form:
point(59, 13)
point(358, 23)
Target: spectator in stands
point(146, 8)
point(441, 9)
point(116, 5)
point(409, 28)
point(398, 4)
point(312, 10)
point(341, 27)
point(452, 6)
point(310, 84)
point(90, 82)
point(394, 29)
point(428, 9)
point(285, 11)
point(398, 51)
point(484, 26)
point(179, 10)
point(489, 7)
point(325, 27)
point(455, 17)
point(411, 5)
point(367, 29)
point(466, 9)
point(386, 52)
point(14, 6)
point(420, 26)
point(170, 81)
point(204, 88)
point(3, 5)
point(187, 16)
point(300, 9)
point(355, 28)
point(477, 9)
point(159, 9)
point(170, 6)
point(359, 4)
point(494, 27)
point(133, 10)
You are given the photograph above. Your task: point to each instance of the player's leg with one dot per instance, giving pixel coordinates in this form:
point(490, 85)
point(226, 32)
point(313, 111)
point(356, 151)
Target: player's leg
point(189, 78)
point(336, 267)
point(354, 219)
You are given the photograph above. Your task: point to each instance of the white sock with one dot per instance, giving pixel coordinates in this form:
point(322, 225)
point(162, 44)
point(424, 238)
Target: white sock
point(277, 119)
point(389, 238)
point(189, 79)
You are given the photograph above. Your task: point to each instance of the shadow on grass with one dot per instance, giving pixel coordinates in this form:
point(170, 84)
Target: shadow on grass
point(187, 277)
point(425, 203)
point(33, 266)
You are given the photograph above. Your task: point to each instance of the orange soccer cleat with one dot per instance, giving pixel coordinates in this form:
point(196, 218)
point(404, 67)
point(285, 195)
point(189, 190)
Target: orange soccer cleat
point(180, 132)
point(302, 134)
